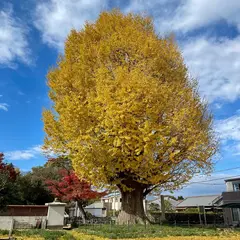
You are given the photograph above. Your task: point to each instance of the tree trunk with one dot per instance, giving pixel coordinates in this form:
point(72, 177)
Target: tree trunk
point(132, 211)
point(82, 211)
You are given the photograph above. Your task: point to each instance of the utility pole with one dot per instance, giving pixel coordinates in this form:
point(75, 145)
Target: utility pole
point(114, 204)
point(163, 215)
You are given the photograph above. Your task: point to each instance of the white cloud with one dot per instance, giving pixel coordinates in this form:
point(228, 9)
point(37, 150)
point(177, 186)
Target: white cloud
point(193, 14)
point(229, 128)
point(215, 63)
point(20, 155)
point(24, 154)
point(228, 131)
point(4, 106)
point(218, 105)
point(187, 15)
point(29, 153)
point(142, 6)
point(55, 18)
point(13, 40)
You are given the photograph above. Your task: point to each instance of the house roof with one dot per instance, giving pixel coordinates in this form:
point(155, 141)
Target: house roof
point(112, 195)
point(195, 201)
point(173, 202)
point(95, 205)
point(232, 179)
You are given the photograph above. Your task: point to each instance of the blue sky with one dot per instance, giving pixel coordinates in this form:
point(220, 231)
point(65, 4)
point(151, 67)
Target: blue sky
point(32, 35)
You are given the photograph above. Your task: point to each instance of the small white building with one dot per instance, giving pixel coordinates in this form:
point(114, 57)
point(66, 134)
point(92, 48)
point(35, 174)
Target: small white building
point(97, 209)
point(112, 202)
point(108, 204)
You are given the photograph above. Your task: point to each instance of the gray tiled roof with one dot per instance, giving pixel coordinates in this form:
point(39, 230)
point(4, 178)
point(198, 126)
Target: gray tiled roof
point(173, 202)
point(207, 200)
point(95, 205)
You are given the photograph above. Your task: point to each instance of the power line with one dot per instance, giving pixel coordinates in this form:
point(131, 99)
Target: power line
point(215, 179)
point(222, 170)
point(212, 184)
point(205, 182)
point(227, 169)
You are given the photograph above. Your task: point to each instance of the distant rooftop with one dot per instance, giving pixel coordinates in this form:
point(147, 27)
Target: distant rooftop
point(173, 202)
point(232, 179)
point(96, 205)
point(195, 201)
point(111, 195)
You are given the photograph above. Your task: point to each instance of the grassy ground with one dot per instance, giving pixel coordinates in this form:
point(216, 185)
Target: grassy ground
point(39, 235)
point(151, 231)
point(106, 232)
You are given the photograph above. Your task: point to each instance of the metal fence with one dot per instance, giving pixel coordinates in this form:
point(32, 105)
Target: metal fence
point(77, 221)
point(174, 220)
point(190, 219)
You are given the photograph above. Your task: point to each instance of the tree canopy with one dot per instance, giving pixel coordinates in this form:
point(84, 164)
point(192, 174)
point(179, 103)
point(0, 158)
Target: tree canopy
point(8, 176)
point(125, 109)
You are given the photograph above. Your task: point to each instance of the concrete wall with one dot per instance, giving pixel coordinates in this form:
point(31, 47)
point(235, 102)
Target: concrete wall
point(20, 221)
point(55, 217)
point(27, 216)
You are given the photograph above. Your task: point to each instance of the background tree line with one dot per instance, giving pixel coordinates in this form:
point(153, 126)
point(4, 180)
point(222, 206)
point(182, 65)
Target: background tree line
point(42, 184)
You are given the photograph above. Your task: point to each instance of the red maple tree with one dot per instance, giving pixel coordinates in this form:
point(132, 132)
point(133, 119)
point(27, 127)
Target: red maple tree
point(70, 188)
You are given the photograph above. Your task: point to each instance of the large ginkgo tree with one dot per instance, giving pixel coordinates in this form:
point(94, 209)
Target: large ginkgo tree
point(126, 112)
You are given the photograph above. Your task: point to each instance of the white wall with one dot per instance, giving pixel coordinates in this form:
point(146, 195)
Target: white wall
point(55, 217)
point(97, 212)
point(5, 221)
point(229, 186)
point(116, 204)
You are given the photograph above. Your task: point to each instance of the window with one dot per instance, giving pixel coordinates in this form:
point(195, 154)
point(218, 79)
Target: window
point(235, 214)
point(236, 187)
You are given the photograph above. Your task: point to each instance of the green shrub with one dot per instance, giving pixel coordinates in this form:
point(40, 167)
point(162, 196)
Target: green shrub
point(110, 213)
point(46, 234)
point(4, 232)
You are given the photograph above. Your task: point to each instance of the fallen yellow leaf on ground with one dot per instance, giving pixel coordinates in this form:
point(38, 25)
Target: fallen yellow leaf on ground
point(189, 238)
